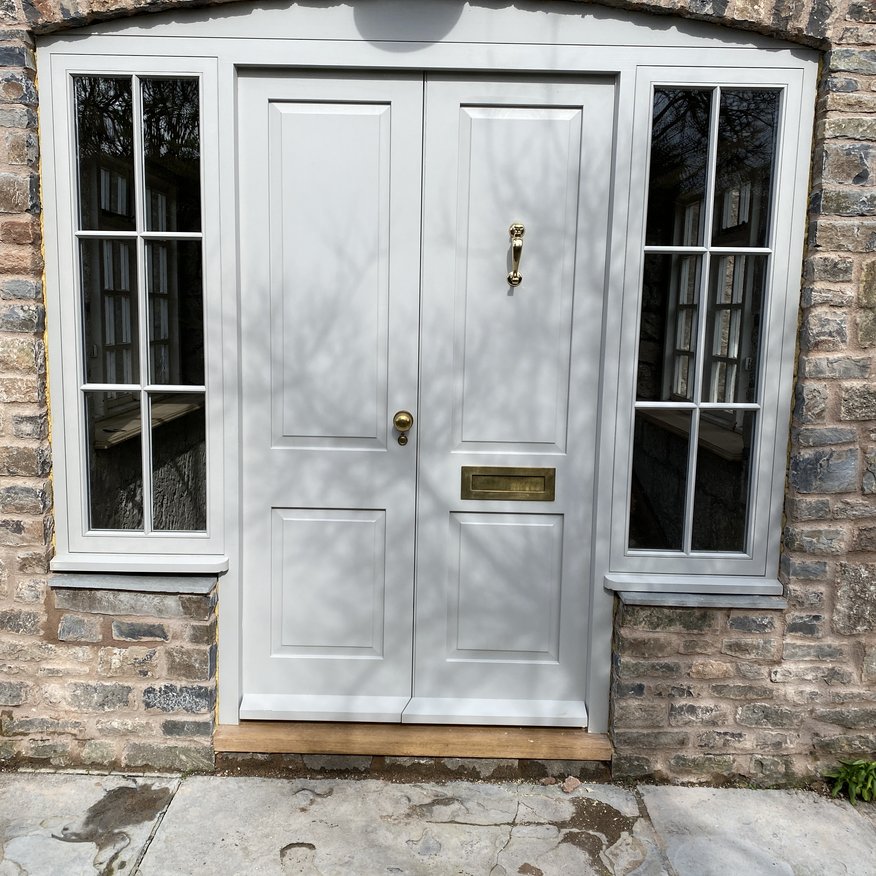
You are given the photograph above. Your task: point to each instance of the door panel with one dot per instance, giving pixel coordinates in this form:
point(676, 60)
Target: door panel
point(330, 211)
point(503, 586)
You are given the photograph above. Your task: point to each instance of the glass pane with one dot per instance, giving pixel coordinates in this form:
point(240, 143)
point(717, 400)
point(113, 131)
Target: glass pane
point(105, 146)
point(176, 312)
point(736, 293)
point(660, 447)
point(668, 327)
point(172, 150)
point(746, 147)
point(721, 495)
point(109, 310)
point(179, 462)
point(115, 466)
point(679, 153)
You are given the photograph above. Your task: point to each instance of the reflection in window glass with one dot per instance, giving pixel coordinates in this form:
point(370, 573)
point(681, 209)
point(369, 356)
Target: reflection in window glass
point(660, 451)
point(172, 147)
point(733, 330)
point(668, 327)
point(176, 312)
point(105, 152)
point(115, 465)
point(179, 462)
point(722, 480)
point(679, 155)
point(109, 310)
point(744, 168)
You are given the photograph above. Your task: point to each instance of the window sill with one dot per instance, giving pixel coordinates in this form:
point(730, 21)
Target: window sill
point(144, 564)
point(703, 600)
point(199, 585)
point(679, 586)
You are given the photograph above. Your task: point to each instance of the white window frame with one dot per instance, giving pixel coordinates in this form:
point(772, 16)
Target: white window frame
point(78, 548)
point(755, 570)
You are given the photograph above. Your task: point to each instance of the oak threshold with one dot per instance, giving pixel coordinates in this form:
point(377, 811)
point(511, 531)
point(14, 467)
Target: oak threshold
point(411, 740)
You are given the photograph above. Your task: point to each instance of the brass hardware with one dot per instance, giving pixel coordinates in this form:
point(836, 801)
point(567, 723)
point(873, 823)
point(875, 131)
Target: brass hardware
point(497, 484)
point(516, 231)
point(403, 420)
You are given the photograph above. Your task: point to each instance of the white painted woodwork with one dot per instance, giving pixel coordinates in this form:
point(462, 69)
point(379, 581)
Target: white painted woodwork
point(330, 208)
point(503, 588)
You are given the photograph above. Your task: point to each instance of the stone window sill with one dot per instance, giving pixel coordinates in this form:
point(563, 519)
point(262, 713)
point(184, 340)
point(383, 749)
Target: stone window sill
point(191, 584)
point(703, 600)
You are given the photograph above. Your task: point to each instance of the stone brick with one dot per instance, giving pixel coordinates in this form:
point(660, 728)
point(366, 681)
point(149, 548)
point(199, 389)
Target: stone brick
point(849, 163)
point(141, 662)
point(858, 403)
point(734, 740)
point(855, 605)
point(621, 689)
point(128, 603)
point(742, 691)
point(676, 691)
point(867, 287)
point(828, 674)
point(811, 403)
point(768, 740)
point(865, 539)
point(815, 541)
point(830, 268)
point(187, 728)
point(179, 698)
point(843, 202)
point(13, 693)
point(866, 329)
point(804, 570)
point(861, 10)
point(13, 726)
point(850, 129)
point(853, 61)
point(649, 739)
point(816, 296)
point(632, 713)
point(751, 649)
point(98, 751)
point(868, 481)
point(648, 646)
point(805, 625)
point(14, 288)
point(752, 623)
point(191, 664)
point(854, 719)
point(17, 621)
point(628, 766)
point(649, 669)
point(800, 508)
point(30, 590)
point(843, 235)
point(75, 628)
point(836, 368)
point(702, 765)
point(808, 651)
point(824, 331)
point(767, 715)
point(669, 619)
point(825, 470)
point(123, 727)
point(697, 646)
point(854, 509)
point(57, 751)
point(26, 461)
point(701, 669)
point(201, 634)
point(17, 193)
point(698, 715)
point(138, 631)
point(846, 744)
point(185, 758)
point(98, 697)
point(869, 668)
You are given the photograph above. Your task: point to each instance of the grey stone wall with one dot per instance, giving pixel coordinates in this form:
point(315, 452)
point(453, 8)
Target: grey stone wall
point(801, 691)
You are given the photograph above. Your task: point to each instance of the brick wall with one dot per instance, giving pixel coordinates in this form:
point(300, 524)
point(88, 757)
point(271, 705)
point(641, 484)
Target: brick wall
point(818, 658)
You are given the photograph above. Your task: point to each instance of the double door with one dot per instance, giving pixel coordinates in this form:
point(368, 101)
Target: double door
point(439, 573)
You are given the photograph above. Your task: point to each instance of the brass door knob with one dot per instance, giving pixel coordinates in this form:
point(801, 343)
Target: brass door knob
point(403, 420)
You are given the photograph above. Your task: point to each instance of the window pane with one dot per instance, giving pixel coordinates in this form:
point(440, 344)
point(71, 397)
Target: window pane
point(668, 327)
point(679, 152)
point(109, 310)
point(115, 465)
point(179, 462)
point(176, 312)
point(722, 480)
point(105, 145)
point(660, 450)
point(172, 149)
point(746, 146)
point(736, 291)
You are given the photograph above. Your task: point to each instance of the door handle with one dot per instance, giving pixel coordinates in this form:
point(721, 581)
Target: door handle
point(403, 420)
point(516, 231)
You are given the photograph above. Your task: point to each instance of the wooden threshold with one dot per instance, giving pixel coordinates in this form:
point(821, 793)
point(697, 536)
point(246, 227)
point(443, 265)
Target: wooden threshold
point(412, 740)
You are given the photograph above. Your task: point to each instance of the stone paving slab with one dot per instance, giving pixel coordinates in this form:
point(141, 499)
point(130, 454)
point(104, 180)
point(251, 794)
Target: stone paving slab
point(323, 826)
point(715, 832)
point(53, 824)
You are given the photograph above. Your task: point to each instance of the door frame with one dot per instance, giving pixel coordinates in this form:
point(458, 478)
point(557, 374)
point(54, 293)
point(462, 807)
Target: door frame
point(633, 48)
